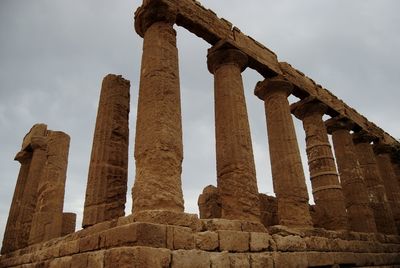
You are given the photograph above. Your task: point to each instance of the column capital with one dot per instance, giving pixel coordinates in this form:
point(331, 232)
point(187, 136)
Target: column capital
point(151, 12)
point(23, 156)
point(308, 106)
point(38, 142)
point(381, 148)
point(277, 85)
point(363, 136)
point(338, 123)
point(220, 55)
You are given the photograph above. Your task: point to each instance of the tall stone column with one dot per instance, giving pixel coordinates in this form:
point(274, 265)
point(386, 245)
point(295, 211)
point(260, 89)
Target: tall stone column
point(236, 173)
point(48, 217)
point(360, 215)
point(287, 170)
point(158, 144)
point(108, 170)
point(382, 153)
point(13, 227)
point(30, 194)
point(376, 190)
point(327, 192)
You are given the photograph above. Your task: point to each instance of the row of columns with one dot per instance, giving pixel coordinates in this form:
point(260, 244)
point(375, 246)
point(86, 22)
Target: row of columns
point(359, 195)
point(36, 212)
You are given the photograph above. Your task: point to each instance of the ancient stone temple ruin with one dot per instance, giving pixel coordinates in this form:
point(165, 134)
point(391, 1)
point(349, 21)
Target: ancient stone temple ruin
point(355, 180)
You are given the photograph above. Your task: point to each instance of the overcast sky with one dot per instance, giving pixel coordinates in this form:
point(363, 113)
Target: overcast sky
point(54, 54)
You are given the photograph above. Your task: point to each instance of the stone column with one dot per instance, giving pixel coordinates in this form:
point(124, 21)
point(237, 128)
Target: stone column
point(236, 173)
point(382, 153)
point(287, 170)
point(158, 144)
point(374, 183)
point(108, 170)
point(360, 215)
point(13, 227)
point(30, 194)
point(48, 217)
point(68, 223)
point(328, 195)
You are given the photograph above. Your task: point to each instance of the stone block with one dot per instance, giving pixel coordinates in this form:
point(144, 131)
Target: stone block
point(233, 241)
point(345, 258)
point(206, 240)
point(137, 257)
point(284, 230)
point(190, 259)
point(89, 243)
point(315, 243)
point(69, 248)
point(251, 226)
point(169, 217)
point(261, 260)
point(239, 260)
point(181, 237)
point(220, 260)
point(260, 241)
point(64, 262)
point(79, 260)
point(317, 259)
point(222, 224)
point(96, 259)
point(290, 260)
point(135, 234)
point(289, 243)
point(125, 220)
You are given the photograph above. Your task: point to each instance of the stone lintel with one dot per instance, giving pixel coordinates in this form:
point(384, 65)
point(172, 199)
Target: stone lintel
point(363, 136)
point(340, 122)
point(276, 84)
point(151, 12)
point(308, 106)
point(224, 52)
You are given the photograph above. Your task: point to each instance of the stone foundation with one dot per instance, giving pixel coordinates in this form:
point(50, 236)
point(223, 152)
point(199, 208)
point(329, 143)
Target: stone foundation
point(208, 243)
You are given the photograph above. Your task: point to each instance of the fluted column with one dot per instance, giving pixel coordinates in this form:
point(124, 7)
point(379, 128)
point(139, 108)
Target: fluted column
point(48, 217)
point(327, 192)
point(158, 144)
point(382, 153)
point(30, 194)
point(360, 215)
point(287, 170)
point(108, 171)
point(376, 190)
point(236, 173)
point(13, 227)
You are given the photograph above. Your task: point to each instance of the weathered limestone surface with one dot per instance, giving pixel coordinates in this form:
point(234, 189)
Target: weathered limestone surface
point(48, 217)
point(68, 223)
point(158, 144)
point(376, 190)
point(328, 195)
point(13, 227)
point(360, 215)
point(268, 210)
point(236, 173)
point(108, 171)
point(209, 203)
point(389, 179)
point(287, 171)
point(30, 194)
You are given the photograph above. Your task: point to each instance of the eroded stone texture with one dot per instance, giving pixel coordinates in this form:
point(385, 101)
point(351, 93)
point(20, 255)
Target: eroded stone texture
point(268, 210)
point(47, 219)
point(375, 186)
point(360, 215)
point(287, 170)
point(209, 203)
point(13, 227)
point(108, 170)
point(327, 192)
point(236, 174)
point(158, 144)
point(68, 223)
point(392, 187)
